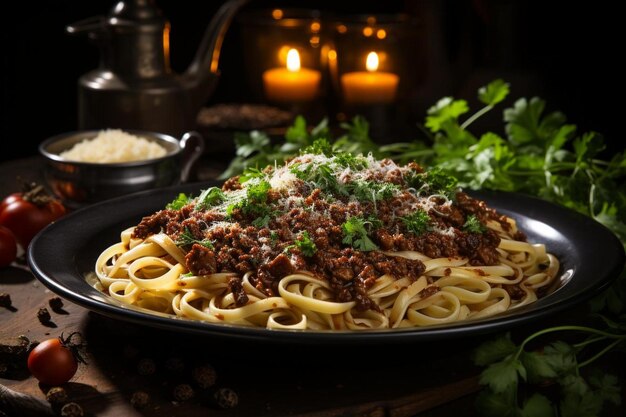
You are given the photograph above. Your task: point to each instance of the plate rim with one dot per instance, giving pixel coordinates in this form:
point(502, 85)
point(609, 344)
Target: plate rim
point(168, 322)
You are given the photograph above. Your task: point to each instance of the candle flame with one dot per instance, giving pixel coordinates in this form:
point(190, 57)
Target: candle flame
point(372, 62)
point(293, 60)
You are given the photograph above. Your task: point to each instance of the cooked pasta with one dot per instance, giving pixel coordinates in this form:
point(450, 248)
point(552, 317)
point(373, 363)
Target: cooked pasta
point(328, 242)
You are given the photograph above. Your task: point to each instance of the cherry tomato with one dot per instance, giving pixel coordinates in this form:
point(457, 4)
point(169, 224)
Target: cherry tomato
point(9, 199)
point(8, 247)
point(52, 363)
point(25, 218)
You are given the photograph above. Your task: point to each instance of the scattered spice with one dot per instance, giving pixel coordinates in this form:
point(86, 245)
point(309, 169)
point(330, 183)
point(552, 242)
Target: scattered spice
point(57, 396)
point(146, 366)
point(183, 392)
point(5, 300)
point(56, 304)
point(43, 315)
point(175, 365)
point(204, 376)
point(139, 399)
point(72, 410)
point(14, 347)
point(226, 398)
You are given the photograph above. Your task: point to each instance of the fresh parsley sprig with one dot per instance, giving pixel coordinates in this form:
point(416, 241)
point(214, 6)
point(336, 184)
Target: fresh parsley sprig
point(355, 233)
point(508, 364)
point(186, 238)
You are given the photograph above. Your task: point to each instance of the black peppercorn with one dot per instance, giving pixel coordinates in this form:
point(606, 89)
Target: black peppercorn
point(43, 315)
point(204, 376)
point(226, 398)
point(5, 300)
point(56, 303)
point(146, 367)
point(4, 369)
point(72, 410)
point(140, 399)
point(183, 392)
point(56, 396)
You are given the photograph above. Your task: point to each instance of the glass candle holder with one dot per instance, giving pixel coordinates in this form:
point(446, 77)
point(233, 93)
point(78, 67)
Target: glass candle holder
point(282, 49)
point(374, 66)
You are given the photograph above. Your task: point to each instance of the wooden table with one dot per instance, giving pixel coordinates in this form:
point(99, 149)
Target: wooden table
point(429, 379)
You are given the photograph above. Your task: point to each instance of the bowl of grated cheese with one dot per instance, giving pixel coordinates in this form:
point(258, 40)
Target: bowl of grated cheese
point(85, 167)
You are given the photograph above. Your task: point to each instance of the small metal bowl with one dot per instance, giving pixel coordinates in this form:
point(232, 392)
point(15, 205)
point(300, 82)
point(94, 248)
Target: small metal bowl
point(79, 184)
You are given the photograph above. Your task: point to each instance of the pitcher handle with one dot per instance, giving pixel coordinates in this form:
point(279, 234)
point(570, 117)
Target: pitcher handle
point(192, 145)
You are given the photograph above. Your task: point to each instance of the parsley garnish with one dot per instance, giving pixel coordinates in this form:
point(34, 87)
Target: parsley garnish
point(355, 234)
point(304, 243)
point(255, 202)
point(186, 238)
point(372, 191)
point(210, 197)
point(179, 202)
point(417, 222)
point(473, 225)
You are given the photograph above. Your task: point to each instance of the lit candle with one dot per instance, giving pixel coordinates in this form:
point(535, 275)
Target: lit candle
point(292, 84)
point(371, 86)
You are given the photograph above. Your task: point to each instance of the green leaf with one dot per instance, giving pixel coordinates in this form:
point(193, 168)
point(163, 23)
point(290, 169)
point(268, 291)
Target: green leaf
point(297, 133)
point(418, 222)
point(537, 366)
point(587, 405)
point(473, 225)
point(537, 406)
point(525, 124)
point(490, 404)
point(561, 357)
point(494, 92)
point(179, 202)
point(305, 244)
point(251, 142)
point(607, 387)
point(503, 375)
point(494, 350)
point(210, 197)
point(446, 110)
point(355, 234)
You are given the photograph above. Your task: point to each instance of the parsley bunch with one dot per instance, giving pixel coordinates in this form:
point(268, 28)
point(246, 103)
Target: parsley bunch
point(558, 363)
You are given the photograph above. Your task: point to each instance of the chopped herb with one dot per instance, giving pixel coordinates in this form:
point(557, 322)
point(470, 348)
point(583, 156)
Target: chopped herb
point(304, 243)
point(261, 221)
point(273, 236)
point(348, 160)
point(473, 225)
point(417, 222)
point(210, 197)
point(250, 173)
point(355, 234)
point(319, 147)
point(373, 191)
point(441, 183)
point(179, 202)
point(186, 238)
point(255, 202)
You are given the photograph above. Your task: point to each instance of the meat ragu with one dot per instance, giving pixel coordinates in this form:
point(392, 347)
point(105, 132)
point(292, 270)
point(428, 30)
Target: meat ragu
point(337, 218)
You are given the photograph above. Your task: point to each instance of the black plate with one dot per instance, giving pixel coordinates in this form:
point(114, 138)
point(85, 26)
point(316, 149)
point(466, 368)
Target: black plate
point(64, 253)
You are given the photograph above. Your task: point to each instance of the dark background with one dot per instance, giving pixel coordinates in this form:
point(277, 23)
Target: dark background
point(564, 52)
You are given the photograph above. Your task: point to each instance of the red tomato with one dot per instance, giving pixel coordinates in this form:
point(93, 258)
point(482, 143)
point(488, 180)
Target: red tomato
point(26, 219)
point(52, 363)
point(9, 199)
point(8, 247)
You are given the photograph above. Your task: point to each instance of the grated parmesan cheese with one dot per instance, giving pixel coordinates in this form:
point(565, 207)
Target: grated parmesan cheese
point(113, 146)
